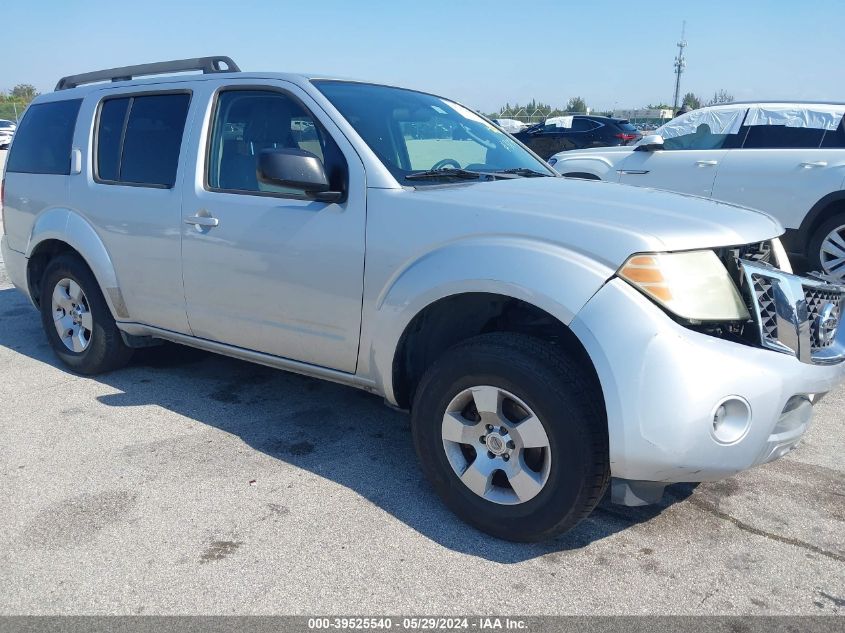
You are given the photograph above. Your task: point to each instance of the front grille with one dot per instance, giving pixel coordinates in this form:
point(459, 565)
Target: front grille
point(817, 300)
point(764, 291)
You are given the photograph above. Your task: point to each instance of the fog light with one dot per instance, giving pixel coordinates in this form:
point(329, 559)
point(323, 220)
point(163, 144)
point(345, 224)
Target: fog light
point(731, 420)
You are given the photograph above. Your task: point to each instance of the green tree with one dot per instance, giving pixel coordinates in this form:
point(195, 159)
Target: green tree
point(692, 101)
point(721, 96)
point(576, 104)
point(658, 106)
point(23, 93)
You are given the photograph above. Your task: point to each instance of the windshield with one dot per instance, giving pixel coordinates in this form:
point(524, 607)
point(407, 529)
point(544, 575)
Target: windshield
point(6, 124)
point(412, 132)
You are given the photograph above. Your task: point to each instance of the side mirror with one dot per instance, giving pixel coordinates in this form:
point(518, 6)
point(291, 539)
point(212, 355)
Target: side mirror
point(297, 169)
point(650, 143)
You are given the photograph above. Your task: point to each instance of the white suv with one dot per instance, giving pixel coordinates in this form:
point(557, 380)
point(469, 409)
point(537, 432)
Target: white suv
point(787, 159)
point(546, 334)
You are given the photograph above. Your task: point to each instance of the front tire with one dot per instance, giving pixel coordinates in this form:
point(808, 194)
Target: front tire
point(826, 250)
point(77, 320)
point(512, 436)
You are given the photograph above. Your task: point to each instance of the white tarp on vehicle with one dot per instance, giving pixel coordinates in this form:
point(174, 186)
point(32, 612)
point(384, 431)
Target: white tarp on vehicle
point(560, 121)
point(510, 125)
point(719, 120)
point(820, 117)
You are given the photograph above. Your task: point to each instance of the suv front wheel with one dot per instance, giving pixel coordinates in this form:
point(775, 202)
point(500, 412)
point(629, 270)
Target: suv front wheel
point(512, 436)
point(77, 320)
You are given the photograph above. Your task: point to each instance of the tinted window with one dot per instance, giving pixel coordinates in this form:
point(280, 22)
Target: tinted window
point(834, 138)
point(249, 121)
point(626, 126)
point(583, 125)
point(782, 137)
point(109, 135)
point(152, 139)
point(43, 139)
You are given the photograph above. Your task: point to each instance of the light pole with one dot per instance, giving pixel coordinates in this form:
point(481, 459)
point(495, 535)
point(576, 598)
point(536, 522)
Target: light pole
point(680, 64)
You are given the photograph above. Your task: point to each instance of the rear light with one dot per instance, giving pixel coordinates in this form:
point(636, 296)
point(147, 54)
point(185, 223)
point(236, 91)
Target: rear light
point(626, 137)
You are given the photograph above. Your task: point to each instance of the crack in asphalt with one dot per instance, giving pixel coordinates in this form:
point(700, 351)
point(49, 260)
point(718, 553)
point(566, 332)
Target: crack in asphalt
point(745, 527)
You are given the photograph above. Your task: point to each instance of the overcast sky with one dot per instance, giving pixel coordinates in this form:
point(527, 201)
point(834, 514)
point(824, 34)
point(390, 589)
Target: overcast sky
point(481, 53)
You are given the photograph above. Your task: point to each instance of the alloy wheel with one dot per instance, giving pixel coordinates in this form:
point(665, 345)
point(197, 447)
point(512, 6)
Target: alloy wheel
point(832, 252)
point(496, 445)
point(72, 315)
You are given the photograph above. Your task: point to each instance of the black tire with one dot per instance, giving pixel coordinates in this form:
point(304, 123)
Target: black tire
point(106, 350)
point(814, 246)
point(570, 408)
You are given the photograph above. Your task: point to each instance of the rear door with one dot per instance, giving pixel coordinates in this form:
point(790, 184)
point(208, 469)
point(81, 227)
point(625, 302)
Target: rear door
point(270, 269)
point(789, 160)
point(694, 146)
point(128, 193)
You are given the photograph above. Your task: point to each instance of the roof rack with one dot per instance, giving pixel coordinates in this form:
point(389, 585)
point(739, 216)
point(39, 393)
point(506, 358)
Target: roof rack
point(215, 64)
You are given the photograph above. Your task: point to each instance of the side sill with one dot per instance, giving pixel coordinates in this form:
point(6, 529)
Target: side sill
point(277, 362)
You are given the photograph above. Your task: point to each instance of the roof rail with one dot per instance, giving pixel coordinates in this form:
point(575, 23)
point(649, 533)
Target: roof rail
point(213, 64)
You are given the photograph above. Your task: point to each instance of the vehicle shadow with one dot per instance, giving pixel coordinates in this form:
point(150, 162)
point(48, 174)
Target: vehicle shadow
point(336, 432)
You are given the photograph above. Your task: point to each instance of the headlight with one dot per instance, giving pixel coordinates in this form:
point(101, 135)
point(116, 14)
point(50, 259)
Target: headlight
point(694, 285)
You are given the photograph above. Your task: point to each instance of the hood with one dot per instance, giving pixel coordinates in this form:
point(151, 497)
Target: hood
point(607, 221)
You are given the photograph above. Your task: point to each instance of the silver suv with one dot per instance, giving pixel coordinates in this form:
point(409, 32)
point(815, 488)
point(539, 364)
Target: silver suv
point(550, 337)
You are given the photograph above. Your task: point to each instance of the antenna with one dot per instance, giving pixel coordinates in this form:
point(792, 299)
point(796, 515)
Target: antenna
point(680, 64)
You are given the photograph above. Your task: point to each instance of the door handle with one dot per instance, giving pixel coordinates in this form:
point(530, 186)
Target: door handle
point(706, 163)
point(202, 220)
point(633, 172)
point(817, 163)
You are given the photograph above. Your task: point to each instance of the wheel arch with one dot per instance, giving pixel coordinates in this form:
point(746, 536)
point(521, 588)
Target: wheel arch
point(62, 230)
point(456, 318)
point(547, 277)
point(828, 206)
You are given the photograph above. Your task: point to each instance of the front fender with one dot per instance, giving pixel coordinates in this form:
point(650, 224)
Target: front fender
point(67, 226)
point(554, 279)
point(599, 166)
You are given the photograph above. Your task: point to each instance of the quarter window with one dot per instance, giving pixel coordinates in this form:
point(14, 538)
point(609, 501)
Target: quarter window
point(138, 139)
point(43, 139)
point(249, 121)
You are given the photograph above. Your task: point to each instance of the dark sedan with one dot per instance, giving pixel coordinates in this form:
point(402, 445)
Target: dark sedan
point(578, 131)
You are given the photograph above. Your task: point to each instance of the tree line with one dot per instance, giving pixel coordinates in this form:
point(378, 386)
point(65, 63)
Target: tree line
point(538, 110)
point(13, 102)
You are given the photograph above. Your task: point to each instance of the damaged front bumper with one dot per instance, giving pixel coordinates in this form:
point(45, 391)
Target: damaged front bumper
point(685, 406)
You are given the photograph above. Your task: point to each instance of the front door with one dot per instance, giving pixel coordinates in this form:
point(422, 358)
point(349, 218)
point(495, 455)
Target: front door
point(694, 146)
point(265, 267)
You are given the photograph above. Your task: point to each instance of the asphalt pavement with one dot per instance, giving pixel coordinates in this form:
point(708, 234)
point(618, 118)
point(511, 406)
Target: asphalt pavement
point(193, 483)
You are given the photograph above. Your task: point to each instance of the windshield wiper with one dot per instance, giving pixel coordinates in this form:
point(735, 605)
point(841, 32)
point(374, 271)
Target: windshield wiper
point(450, 172)
point(523, 171)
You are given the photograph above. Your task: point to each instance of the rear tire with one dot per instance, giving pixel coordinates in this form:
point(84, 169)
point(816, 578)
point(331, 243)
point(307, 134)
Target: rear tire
point(826, 244)
point(77, 319)
point(556, 472)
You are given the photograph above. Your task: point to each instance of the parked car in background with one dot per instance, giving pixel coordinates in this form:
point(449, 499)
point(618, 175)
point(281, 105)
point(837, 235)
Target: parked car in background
point(7, 131)
point(787, 159)
point(578, 131)
point(511, 126)
point(550, 337)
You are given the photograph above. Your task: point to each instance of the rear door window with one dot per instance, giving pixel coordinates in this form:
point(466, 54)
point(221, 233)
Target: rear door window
point(43, 139)
point(782, 137)
point(139, 137)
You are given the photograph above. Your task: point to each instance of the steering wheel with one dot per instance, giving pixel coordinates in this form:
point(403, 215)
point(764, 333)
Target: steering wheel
point(446, 162)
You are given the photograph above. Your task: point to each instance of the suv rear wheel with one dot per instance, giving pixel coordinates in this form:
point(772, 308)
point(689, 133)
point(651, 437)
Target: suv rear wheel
point(77, 320)
point(512, 436)
point(827, 247)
